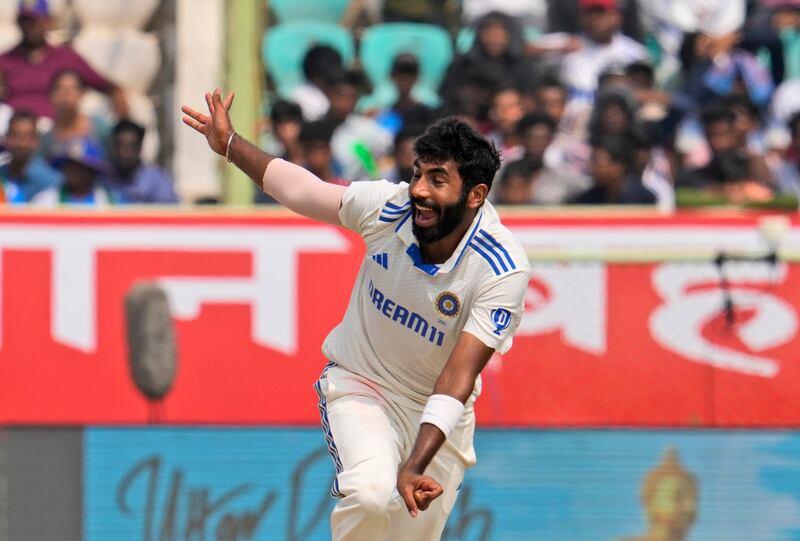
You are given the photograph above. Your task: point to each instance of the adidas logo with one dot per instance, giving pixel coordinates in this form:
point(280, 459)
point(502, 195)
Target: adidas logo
point(381, 259)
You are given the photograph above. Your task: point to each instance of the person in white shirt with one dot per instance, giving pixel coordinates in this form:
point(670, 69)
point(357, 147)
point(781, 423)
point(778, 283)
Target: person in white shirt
point(321, 64)
point(600, 45)
point(440, 290)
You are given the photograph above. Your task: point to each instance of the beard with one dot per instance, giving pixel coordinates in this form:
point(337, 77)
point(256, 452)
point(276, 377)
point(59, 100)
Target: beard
point(450, 218)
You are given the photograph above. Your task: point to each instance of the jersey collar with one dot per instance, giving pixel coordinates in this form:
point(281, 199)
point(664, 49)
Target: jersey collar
point(404, 231)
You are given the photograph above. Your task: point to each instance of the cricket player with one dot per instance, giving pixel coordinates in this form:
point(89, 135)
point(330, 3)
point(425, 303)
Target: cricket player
point(439, 291)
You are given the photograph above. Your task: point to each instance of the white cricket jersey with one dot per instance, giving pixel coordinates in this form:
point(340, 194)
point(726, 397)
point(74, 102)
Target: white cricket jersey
point(405, 316)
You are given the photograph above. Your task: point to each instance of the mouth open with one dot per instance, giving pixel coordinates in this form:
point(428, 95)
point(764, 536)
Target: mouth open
point(425, 216)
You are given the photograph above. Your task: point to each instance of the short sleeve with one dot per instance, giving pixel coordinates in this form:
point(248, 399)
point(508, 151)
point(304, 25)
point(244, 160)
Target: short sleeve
point(498, 309)
point(363, 201)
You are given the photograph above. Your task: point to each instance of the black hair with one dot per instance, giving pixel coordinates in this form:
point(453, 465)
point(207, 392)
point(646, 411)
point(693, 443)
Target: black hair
point(285, 111)
point(620, 148)
point(405, 64)
point(519, 168)
point(352, 77)
point(451, 139)
point(733, 101)
point(550, 80)
point(505, 85)
point(64, 73)
point(794, 123)
point(318, 131)
point(405, 135)
point(716, 111)
point(321, 61)
point(126, 125)
point(535, 119)
point(22, 115)
point(611, 97)
point(728, 167)
point(641, 67)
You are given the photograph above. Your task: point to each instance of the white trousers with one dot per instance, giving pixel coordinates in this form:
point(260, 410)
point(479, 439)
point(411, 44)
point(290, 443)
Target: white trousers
point(370, 433)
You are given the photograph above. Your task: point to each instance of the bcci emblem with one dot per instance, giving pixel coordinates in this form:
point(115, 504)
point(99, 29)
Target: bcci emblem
point(448, 304)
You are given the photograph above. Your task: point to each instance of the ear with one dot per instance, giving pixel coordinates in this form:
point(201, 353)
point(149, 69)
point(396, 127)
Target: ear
point(477, 196)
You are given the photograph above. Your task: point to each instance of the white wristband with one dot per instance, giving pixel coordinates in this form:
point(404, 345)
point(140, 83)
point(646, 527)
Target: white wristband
point(442, 411)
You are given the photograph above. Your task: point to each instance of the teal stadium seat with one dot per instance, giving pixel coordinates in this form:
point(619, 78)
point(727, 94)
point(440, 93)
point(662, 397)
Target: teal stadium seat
point(383, 42)
point(285, 46)
point(466, 37)
point(292, 11)
point(791, 53)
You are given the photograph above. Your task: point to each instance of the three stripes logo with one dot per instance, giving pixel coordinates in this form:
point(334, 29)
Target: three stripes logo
point(493, 252)
point(381, 259)
point(392, 213)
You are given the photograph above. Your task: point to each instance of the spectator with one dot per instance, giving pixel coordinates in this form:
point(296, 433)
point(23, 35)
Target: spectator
point(506, 111)
point(565, 16)
point(6, 111)
point(283, 138)
point(732, 166)
point(81, 166)
point(406, 109)
point(135, 181)
point(403, 154)
point(25, 174)
point(550, 98)
point(498, 51)
point(653, 104)
point(358, 142)
point(532, 13)
point(29, 68)
point(438, 12)
point(315, 140)
point(321, 65)
point(787, 169)
point(614, 113)
point(286, 121)
point(717, 67)
point(613, 175)
point(600, 44)
point(748, 130)
point(545, 185)
point(515, 185)
point(669, 21)
point(727, 177)
point(69, 124)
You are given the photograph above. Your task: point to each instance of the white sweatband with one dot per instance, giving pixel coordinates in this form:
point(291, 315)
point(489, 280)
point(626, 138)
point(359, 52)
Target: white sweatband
point(442, 411)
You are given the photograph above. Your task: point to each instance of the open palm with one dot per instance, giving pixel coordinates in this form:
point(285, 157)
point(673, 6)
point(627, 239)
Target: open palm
point(216, 128)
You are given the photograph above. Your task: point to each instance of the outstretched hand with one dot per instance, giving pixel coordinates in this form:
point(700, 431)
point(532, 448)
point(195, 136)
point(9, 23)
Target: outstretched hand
point(216, 128)
point(417, 491)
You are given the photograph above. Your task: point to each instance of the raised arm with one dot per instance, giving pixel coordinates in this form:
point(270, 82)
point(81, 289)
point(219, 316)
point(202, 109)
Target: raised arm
point(453, 388)
point(290, 185)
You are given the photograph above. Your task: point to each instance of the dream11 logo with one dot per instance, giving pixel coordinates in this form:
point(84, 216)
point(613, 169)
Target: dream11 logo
point(271, 290)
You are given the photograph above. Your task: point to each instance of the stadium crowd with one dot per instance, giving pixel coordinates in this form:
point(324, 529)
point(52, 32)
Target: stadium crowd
point(648, 102)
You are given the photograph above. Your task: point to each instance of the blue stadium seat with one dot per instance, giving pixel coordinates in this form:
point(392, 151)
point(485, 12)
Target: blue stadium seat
point(285, 46)
point(383, 42)
point(291, 11)
point(466, 37)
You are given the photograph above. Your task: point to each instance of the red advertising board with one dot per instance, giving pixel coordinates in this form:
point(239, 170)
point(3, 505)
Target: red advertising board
point(606, 340)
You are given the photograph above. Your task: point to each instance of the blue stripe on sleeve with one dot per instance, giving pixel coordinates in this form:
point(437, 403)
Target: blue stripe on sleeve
point(500, 246)
point(492, 251)
point(486, 257)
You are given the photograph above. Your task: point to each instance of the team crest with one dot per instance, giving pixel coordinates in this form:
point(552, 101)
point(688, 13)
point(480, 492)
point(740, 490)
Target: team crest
point(448, 304)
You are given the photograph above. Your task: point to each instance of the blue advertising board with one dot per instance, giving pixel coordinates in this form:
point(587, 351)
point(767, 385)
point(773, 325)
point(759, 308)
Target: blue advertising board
point(171, 484)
